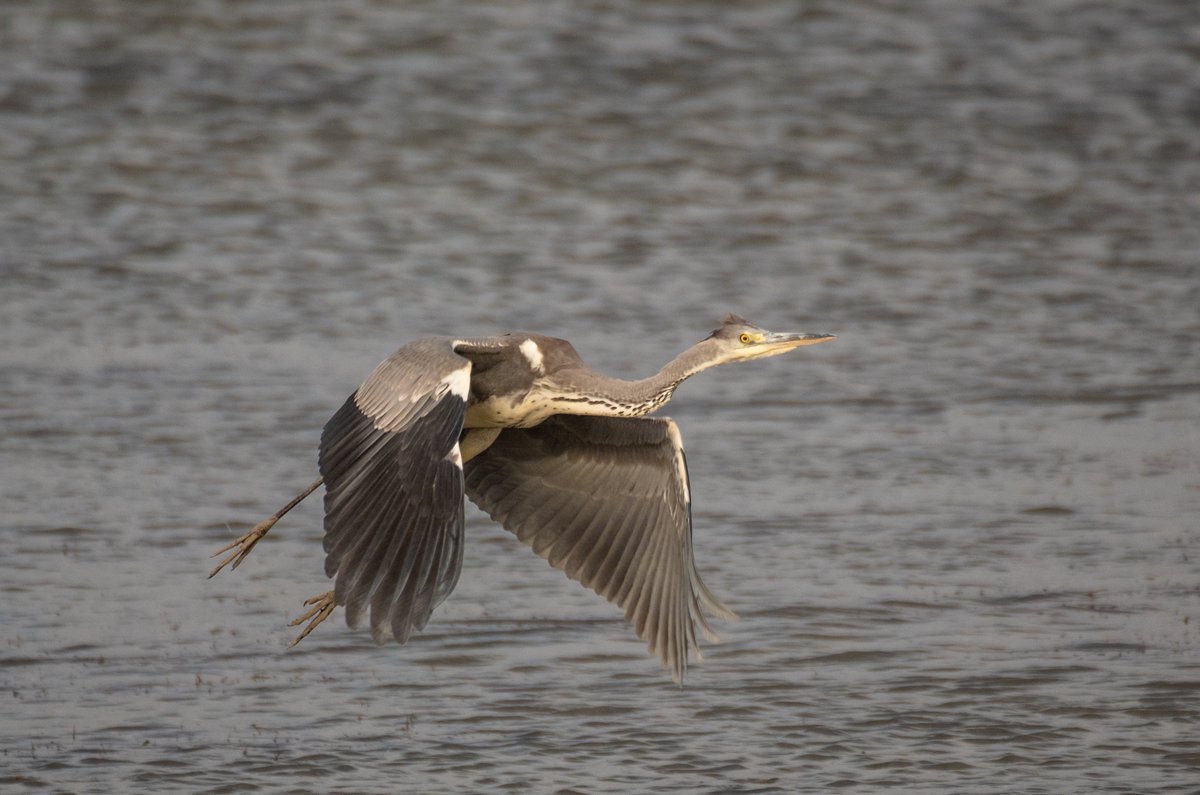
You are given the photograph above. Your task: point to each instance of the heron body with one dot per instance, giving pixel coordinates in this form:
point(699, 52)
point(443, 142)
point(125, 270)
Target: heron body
point(560, 455)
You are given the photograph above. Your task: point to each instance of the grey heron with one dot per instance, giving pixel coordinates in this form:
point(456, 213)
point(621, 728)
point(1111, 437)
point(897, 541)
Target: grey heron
point(557, 453)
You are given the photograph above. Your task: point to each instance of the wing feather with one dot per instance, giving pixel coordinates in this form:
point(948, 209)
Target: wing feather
point(608, 561)
point(638, 580)
point(606, 500)
point(393, 492)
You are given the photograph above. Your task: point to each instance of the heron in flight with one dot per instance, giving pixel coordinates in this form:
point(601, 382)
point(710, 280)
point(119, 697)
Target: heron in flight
point(560, 455)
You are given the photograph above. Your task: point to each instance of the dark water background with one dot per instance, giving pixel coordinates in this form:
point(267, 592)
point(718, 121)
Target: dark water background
point(962, 538)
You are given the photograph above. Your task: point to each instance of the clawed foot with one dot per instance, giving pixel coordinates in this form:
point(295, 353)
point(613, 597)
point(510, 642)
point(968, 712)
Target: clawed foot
point(242, 546)
point(322, 606)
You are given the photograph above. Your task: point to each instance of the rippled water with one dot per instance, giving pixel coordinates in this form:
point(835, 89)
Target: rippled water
point(962, 538)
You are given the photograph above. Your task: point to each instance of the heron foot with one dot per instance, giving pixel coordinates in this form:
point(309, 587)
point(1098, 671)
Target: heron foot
point(321, 606)
point(242, 546)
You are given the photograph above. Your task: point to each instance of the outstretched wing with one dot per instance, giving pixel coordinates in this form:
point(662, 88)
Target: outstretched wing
point(606, 501)
point(394, 489)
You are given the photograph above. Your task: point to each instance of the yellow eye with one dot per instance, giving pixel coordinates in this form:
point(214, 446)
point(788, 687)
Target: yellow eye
point(744, 338)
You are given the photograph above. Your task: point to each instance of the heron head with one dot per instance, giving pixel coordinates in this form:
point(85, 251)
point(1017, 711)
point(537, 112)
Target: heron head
point(737, 339)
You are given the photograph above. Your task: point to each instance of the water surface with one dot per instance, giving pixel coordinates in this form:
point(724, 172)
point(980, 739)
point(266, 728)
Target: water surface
point(962, 538)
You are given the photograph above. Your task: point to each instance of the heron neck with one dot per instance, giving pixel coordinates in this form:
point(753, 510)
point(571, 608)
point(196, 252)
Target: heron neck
point(695, 359)
point(635, 398)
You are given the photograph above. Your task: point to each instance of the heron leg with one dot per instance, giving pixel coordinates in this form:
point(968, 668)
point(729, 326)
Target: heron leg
point(241, 547)
point(475, 440)
point(320, 608)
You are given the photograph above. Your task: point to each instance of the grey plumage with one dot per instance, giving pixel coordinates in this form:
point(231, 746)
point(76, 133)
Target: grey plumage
point(393, 489)
point(558, 454)
point(605, 500)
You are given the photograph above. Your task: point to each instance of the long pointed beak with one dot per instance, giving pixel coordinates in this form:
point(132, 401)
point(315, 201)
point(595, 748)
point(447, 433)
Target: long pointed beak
point(785, 342)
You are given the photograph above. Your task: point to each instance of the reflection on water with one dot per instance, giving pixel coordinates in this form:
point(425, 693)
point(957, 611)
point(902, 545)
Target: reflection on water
point(961, 538)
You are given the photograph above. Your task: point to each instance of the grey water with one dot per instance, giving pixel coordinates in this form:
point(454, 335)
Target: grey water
point(962, 538)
